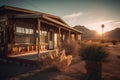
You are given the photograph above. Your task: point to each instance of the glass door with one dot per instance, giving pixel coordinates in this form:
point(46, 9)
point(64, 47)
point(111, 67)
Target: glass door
point(51, 40)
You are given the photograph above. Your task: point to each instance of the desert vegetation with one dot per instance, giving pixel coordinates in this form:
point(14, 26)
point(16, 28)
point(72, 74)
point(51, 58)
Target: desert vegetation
point(93, 54)
point(80, 67)
point(56, 60)
point(92, 57)
point(60, 59)
point(71, 47)
point(114, 42)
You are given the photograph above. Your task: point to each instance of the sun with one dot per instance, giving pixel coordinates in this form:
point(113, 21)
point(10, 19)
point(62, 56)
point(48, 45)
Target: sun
point(99, 32)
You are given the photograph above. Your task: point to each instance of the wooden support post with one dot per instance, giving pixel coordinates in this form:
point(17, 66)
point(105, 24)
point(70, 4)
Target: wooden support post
point(76, 36)
point(59, 37)
point(14, 31)
point(39, 25)
point(69, 34)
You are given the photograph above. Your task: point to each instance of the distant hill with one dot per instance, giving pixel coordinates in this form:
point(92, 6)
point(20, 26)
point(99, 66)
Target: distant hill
point(91, 34)
point(113, 34)
point(88, 34)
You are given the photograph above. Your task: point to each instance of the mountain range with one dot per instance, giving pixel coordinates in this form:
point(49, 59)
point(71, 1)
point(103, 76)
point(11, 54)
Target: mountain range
point(92, 34)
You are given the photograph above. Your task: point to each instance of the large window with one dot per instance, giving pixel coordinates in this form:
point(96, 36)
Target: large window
point(19, 30)
point(24, 30)
point(24, 35)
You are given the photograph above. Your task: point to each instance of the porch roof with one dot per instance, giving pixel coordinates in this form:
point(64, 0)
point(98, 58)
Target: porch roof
point(35, 14)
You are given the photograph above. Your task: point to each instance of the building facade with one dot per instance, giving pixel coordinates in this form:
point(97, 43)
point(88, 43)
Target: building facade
point(24, 31)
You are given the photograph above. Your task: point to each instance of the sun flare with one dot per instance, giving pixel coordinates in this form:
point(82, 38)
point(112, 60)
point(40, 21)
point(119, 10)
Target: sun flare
point(99, 32)
point(97, 26)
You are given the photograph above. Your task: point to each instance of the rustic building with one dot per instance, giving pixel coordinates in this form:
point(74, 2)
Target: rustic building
point(21, 30)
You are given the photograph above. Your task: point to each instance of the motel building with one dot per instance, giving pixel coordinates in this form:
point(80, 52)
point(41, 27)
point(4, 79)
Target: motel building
point(25, 31)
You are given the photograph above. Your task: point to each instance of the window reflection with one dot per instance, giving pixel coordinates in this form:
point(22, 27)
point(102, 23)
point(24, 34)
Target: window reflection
point(24, 35)
point(24, 30)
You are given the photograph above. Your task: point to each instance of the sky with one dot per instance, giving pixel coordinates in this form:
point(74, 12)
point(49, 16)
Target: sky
point(89, 13)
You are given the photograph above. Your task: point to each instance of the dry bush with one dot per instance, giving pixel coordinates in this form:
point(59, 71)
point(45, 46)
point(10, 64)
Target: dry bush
point(56, 60)
point(114, 42)
point(118, 57)
point(93, 52)
point(105, 44)
point(71, 47)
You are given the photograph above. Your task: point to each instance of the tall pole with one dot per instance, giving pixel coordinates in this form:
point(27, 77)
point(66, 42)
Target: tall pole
point(102, 26)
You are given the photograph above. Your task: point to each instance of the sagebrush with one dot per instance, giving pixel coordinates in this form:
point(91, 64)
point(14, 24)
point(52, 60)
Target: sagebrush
point(71, 47)
point(57, 60)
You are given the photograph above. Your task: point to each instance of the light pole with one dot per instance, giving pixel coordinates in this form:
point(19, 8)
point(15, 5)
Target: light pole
point(102, 26)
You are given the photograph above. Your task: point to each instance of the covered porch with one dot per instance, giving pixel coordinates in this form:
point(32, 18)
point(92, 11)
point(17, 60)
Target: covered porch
point(38, 34)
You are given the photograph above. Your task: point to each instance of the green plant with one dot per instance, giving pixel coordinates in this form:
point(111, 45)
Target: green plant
point(94, 54)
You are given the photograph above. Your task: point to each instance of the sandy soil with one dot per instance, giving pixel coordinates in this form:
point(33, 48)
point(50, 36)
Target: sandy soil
point(111, 68)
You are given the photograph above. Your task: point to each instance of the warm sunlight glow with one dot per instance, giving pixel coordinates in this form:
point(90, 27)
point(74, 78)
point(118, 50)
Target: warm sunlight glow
point(99, 32)
point(97, 26)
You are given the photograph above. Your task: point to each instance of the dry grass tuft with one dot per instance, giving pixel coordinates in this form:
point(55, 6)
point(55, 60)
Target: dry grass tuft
point(71, 47)
point(56, 60)
point(118, 57)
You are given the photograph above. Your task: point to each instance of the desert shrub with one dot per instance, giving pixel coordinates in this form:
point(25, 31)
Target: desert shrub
point(93, 52)
point(118, 57)
point(56, 60)
point(102, 41)
point(71, 47)
point(105, 45)
point(114, 42)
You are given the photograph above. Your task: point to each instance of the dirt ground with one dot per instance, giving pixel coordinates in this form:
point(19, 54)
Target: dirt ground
point(76, 71)
point(110, 69)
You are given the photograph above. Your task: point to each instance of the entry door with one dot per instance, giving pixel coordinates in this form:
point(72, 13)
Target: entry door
point(2, 37)
point(51, 41)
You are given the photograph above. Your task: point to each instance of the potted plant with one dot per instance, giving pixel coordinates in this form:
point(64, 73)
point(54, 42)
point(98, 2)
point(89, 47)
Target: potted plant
point(94, 55)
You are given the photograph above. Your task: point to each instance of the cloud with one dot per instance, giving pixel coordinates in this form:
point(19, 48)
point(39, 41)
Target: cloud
point(73, 15)
point(74, 18)
point(91, 21)
point(117, 22)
